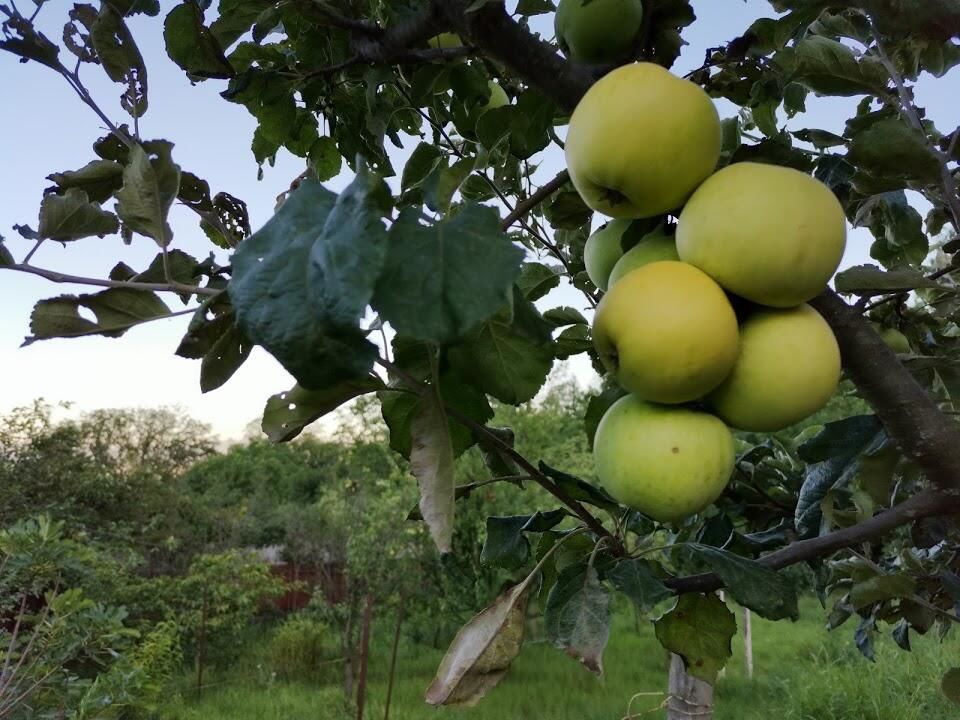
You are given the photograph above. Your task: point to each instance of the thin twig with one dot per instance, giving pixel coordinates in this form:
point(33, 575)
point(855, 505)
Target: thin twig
point(59, 277)
point(535, 199)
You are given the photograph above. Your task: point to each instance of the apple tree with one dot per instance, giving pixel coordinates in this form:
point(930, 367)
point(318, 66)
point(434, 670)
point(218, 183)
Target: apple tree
point(430, 290)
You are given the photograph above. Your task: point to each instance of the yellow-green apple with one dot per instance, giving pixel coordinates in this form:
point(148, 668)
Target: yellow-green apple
point(895, 340)
point(602, 251)
point(445, 41)
point(652, 248)
point(640, 141)
point(788, 368)
point(667, 462)
point(771, 234)
point(666, 332)
point(597, 31)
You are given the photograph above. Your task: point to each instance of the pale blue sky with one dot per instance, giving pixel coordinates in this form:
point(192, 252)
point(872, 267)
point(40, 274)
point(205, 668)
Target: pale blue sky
point(45, 129)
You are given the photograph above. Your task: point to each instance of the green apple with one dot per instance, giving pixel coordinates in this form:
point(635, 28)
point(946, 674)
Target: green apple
point(895, 340)
point(653, 248)
point(667, 462)
point(603, 250)
point(445, 41)
point(640, 141)
point(788, 368)
point(666, 332)
point(597, 31)
point(771, 234)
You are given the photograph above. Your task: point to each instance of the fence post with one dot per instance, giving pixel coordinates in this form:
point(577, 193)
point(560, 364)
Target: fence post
point(748, 642)
point(364, 656)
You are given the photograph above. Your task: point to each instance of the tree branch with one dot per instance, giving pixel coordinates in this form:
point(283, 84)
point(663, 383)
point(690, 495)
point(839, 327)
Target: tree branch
point(927, 503)
point(59, 277)
point(538, 197)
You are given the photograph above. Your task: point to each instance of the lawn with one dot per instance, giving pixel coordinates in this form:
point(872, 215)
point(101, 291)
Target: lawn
point(801, 673)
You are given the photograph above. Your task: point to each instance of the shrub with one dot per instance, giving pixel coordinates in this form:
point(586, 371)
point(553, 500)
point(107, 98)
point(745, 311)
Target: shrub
point(302, 647)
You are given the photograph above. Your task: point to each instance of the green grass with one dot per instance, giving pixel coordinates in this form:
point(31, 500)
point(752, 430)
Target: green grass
point(801, 673)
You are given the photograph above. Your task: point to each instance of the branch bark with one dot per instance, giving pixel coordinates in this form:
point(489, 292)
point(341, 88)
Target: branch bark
point(538, 197)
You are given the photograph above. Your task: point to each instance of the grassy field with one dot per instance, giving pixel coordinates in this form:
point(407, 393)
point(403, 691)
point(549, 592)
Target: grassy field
point(801, 673)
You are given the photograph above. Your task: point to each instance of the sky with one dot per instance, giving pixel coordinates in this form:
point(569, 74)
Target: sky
point(44, 129)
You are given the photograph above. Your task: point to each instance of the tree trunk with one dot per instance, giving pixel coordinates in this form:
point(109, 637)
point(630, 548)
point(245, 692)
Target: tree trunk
point(748, 642)
point(393, 658)
point(688, 698)
point(364, 656)
point(201, 652)
point(349, 653)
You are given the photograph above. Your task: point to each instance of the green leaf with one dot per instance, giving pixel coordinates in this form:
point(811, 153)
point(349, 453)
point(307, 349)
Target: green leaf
point(430, 288)
point(950, 685)
point(897, 227)
point(891, 148)
point(442, 184)
point(431, 462)
point(536, 280)
point(751, 584)
point(192, 46)
point(286, 298)
point(288, 413)
point(699, 628)
point(226, 356)
point(834, 459)
point(98, 178)
point(561, 316)
point(531, 120)
point(150, 185)
point(121, 59)
point(867, 280)
point(863, 637)
point(325, 158)
point(820, 139)
point(505, 545)
point(579, 489)
point(21, 39)
point(510, 355)
point(828, 67)
point(116, 311)
point(483, 650)
point(6, 258)
point(597, 408)
point(534, 7)
point(573, 341)
point(636, 579)
point(568, 211)
point(235, 18)
point(424, 159)
point(880, 588)
point(577, 615)
point(71, 216)
point(664, 38)
point(399, 409)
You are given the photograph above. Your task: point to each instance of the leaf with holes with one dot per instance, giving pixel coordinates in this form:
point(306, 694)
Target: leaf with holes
point(192, 46)
point(72, 216)
point(700, 629)
point(577, 616)
point(121, 59)
point(116, 310)
point(288, 413)
point(430, 288)
point(150, 185)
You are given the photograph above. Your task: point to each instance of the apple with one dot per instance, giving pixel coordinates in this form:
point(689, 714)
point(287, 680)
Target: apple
point(666, 332)
point(602, 251)
point(597, 31)
point(771, 234)
point(788, 368)
point(652, 248)
point(445, 41)
point(667, 462)
point(640, 141)
point(895, 340)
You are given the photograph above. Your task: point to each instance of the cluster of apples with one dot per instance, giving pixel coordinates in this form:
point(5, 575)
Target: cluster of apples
point(704, 323)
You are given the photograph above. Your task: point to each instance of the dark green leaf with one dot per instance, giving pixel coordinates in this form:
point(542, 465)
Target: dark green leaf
point(890, 147)
point(579, 489)
point(21, 39)
point(636, 579)
point(192, 46)
point(98, 178)
point(828, 67)
point(443, 183)
point(288, 413)
point(867, 280)
point(235, 18)
point(568, 211)
point(430, 288)
point(150, 185)
point(226, 356)
point(751, 584)
point(880, 588)
point(536, 280)
point(561, 316)
point(116, 311)
point(950, 685)
point(577, 616)
point(71, 216)
point(597, 408)
point(121, 58)
point(699, 628)
point(820, 139)
point(863, 637)
point(510, 355)
point(572, 341)
point(505, 545)
point(897, 227)
point(424, 159)
point(534, 7)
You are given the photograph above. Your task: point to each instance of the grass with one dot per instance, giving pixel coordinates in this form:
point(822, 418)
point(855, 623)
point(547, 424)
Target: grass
point(801, 673)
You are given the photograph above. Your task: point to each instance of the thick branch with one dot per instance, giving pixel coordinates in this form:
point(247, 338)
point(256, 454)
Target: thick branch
point(538, 197)
point(909, 414)
point(924, 504)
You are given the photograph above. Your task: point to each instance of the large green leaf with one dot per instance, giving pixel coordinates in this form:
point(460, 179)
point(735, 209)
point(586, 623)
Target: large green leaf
point(288, 413)
point(441, 280)
point(829, 67)
point(700, 629)
point(72, 216)
point(537, 279)
point(751, 584)
point(636, 579)
point(313, 331)
point(121, 59)
point(510, 355)
point(116, 311)
point(150, 185)
point(577, 615)
point(506, 546)
point(891, 148)
point(869, 280)
point(192, 46)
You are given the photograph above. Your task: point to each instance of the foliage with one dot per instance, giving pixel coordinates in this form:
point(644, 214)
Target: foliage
point(433, 264)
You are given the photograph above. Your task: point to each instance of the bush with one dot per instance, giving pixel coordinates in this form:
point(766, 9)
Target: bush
point(303, 648)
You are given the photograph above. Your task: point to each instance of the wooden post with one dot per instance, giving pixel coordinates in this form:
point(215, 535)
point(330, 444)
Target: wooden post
point(201, 650)
point(723, 670)
point(689, 698)
point(748, 642)
point(364, 656)
point(393, 659)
